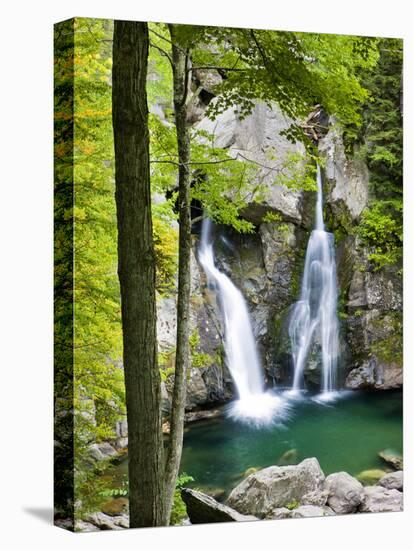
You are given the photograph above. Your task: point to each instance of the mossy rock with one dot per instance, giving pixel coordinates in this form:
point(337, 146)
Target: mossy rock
point(116, 506)
point(370, 477)
point(250, 471)
point(289, 457)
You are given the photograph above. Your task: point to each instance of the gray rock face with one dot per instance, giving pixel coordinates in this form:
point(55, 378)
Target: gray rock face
point(202, 508)
point(379, 499)
point(380, 376)
point(375, 290)
point(345, 493)
point(348, 178)
point(393, 480)
point(258, 138)
point(276, 487)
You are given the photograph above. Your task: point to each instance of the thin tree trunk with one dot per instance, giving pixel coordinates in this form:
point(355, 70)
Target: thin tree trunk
point(182, 362)
point(136, 269)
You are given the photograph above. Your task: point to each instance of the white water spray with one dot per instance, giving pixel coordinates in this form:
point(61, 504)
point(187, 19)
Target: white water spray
point(314, 316)
point(254, 403)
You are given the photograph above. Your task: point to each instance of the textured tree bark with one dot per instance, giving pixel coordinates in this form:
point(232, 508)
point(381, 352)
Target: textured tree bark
point(180, 88)
point(136, 269)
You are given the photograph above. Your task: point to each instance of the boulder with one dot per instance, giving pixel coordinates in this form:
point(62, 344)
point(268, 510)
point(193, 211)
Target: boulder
point(279, 513)
point(375, 375)
point(276, 487)
point(393, 480)
point(392, 458)
point(303, 511)
point(105, 522)
point(100, 451)
point(316, 498)
point(345, 493)
point(116, 506)
point(311, 511)
point(202, 508)
point(379, 499)
point(84, 526)
point(196, 416)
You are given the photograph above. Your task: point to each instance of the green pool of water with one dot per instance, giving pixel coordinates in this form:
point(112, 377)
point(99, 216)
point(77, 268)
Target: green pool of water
point(344, 435)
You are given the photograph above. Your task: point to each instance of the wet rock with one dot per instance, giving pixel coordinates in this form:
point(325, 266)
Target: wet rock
point(202, 508)
point(345, 493)
point(379, 499)
point(392, 458)
point(196, 416)
point(375, 375)
point(289, 457)
point(393, 480)
point(276, 487)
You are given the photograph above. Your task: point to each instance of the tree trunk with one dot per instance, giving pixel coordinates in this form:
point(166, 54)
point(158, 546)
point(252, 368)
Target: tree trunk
point(136, 269)
point(182, 362)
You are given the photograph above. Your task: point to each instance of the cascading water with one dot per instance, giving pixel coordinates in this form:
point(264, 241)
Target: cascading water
point(314, 316)
point(254, 403)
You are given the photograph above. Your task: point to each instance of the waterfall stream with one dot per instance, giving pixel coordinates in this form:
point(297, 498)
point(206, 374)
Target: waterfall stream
point(313, 319)
point(254, 403)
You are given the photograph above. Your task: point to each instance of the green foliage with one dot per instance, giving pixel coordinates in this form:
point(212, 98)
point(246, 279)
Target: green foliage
point(121, 491)
point(390, 348)
point(382, 231)
point(198, 359)
point(166, 249)
point(99, 399)
point(178, 507)
point(292, 505)
point(296, 70)
point(380, 141)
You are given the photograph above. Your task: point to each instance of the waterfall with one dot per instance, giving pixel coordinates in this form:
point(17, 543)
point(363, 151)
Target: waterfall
point(314, 316)
point(242, 358)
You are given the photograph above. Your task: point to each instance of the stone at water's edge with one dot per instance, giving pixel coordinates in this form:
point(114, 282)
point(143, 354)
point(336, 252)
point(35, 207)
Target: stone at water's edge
point(370, 477)
point(116, 506)
point(393, 480)
point(276, 487)
point(394, 459)
point(303, 511)
point(345, 493)
point(202, 508)
point(379, 499)
point(108, 523)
